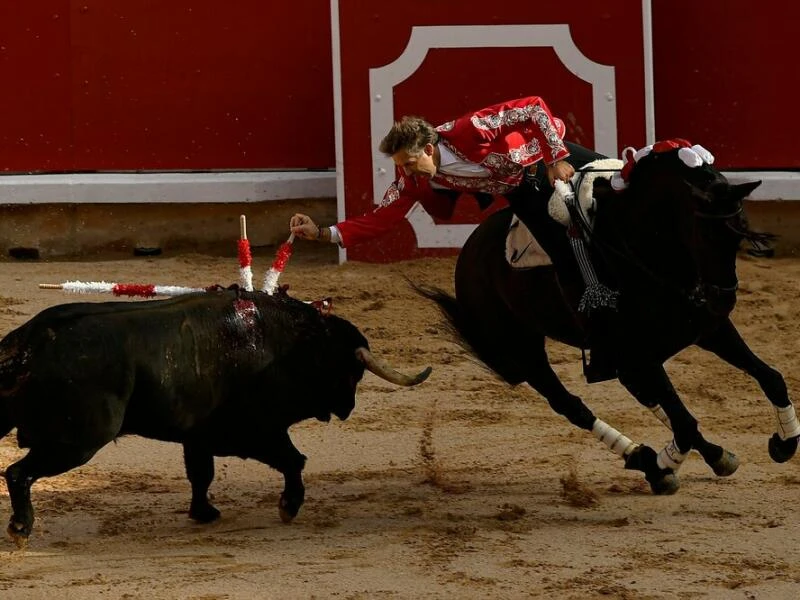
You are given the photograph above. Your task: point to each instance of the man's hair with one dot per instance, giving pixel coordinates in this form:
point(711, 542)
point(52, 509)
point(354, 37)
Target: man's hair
point(410, 134)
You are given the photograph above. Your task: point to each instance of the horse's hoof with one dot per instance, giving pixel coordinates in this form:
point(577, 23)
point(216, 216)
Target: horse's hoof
point(18, 533)
point(782, 450)
point(667, 485)
point(726, 465)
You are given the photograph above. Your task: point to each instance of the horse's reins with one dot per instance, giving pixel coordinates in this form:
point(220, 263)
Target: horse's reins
point(695, 295)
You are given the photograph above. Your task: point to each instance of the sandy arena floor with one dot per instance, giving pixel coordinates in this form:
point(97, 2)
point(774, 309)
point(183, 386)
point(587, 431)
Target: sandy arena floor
point(459, 488)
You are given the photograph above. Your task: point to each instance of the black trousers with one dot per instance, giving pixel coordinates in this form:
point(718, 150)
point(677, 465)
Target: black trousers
point(529, 202)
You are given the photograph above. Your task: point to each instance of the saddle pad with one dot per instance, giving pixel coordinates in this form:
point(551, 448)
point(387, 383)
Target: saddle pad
point(583, 180)
point(522, 249)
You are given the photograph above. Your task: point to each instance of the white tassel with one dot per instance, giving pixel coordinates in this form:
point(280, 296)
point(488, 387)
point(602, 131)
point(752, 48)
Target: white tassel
point(618, 443)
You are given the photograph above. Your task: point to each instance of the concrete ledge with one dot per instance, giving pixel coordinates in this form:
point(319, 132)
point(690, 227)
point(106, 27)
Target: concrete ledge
point(92, 230)
point(775, 185)
point(127, 188)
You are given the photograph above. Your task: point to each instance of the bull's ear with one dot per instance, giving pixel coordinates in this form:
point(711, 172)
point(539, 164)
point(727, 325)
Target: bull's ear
point(743, 190)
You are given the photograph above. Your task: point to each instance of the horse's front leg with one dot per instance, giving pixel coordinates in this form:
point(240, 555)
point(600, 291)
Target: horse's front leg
point(726, 343)
point(649, 383)
point(723, 462)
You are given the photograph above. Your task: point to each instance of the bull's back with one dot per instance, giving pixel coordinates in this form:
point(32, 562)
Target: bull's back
point(153, 368)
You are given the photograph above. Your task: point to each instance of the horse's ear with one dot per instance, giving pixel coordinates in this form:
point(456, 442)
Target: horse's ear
point(697, 193)
point(743, 190)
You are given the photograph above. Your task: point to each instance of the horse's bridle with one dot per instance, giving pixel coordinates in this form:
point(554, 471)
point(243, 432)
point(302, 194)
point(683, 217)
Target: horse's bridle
point(700, 294)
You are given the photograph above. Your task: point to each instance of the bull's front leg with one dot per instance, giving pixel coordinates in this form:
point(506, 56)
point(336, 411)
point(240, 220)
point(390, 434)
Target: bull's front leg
point(288, 460)
point(726, 343)
point(199, 463)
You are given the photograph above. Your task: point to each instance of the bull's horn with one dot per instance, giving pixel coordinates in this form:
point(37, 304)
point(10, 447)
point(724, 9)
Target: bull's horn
point(382, 369)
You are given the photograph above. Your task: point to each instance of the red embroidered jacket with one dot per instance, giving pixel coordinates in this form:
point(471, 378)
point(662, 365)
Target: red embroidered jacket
point(503, 138)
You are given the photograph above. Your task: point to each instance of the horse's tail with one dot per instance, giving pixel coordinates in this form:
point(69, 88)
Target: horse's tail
point(469, 334)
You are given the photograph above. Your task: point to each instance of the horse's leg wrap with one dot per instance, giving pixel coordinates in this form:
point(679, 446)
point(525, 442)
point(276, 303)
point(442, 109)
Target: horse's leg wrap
point(661, 415)
point(670, 457)
point(788, 425)
point(617, 442)
point(596, 295)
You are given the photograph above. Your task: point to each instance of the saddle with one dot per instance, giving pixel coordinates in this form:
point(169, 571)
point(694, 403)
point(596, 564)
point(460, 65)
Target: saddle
point(522, 249)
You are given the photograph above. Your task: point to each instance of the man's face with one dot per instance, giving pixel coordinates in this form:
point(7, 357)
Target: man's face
point(423, 164)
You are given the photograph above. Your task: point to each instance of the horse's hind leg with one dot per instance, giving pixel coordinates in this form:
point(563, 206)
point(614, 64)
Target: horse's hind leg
point(541, 377)
point(40, 462)
point(726, 343)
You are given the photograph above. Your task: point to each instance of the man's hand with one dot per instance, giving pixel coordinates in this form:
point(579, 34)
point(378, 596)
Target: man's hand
point(302, 226)
point(560, 170)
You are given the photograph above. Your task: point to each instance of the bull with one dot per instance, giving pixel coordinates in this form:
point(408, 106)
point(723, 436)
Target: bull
point(224, 373)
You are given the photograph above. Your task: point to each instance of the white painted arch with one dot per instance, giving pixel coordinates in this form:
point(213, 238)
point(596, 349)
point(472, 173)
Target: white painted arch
point(382, 81)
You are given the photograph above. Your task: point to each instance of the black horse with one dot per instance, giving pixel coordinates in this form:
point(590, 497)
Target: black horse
point(668, 244)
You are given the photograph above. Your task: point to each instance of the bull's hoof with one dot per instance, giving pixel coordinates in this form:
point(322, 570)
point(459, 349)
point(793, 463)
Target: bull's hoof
point(726, 464)
point(203, 512)
point(287, 510)
point(782, 450)
point(18, 533)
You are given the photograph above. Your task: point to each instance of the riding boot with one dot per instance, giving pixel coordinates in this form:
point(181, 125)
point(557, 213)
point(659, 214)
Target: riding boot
point(601, 364)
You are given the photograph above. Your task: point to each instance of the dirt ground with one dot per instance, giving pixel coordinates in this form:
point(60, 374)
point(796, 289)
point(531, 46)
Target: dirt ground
point(459, 488)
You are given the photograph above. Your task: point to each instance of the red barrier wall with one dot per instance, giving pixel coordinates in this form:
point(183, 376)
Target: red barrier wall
point(725, 77)
point(247, 84)
point(147, 84)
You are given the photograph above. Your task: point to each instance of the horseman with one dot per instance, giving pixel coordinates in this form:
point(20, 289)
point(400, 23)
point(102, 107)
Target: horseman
point(514, 149)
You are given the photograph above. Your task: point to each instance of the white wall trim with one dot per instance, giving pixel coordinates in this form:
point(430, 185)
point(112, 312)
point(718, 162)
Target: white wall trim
point(649, 79)
point(383, 79)
point(336, 48)
point(151, 188)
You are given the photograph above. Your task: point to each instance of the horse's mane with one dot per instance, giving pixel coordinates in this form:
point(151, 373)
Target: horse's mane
point(705, 180)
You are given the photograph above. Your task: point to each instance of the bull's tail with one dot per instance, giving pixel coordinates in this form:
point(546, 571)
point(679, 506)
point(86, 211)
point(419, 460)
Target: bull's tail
point(11, 377)
point(471, 335)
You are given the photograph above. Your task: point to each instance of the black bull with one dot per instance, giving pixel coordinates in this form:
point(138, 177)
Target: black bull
point(668, 243)
point(223, 373)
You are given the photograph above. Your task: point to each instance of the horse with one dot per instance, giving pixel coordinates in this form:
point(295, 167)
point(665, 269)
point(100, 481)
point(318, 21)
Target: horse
point(667, 242)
